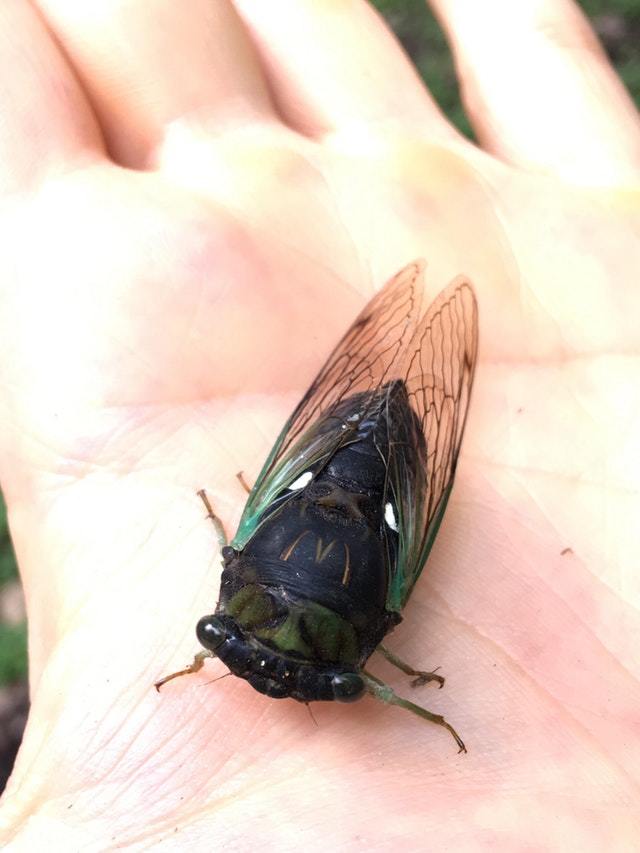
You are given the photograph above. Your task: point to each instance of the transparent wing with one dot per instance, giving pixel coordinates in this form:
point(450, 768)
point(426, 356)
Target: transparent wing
point(368, 356)
point(438, 370)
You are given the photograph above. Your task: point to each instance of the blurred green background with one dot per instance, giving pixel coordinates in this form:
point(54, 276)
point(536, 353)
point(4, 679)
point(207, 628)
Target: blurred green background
point(617, 22)
point(13, 646)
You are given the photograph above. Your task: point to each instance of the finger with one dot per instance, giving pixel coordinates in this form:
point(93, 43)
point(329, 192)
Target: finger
point(46, 123)
point(331, 64)
point(148, 64)
point(539, 89)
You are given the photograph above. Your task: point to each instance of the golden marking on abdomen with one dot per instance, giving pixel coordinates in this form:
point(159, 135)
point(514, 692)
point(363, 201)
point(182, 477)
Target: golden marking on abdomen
point(288, 551)
point(323, 553)
point(347, 565)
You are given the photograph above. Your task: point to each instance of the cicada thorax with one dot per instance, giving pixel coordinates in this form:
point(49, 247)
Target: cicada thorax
point(304, 602)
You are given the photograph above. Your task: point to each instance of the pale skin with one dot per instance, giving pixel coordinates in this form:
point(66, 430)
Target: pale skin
point(197, 199)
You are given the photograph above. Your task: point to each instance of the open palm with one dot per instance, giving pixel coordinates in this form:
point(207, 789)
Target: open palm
point(196, 206)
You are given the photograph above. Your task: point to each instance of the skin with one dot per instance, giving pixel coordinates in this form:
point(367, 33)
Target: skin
point(196, 202)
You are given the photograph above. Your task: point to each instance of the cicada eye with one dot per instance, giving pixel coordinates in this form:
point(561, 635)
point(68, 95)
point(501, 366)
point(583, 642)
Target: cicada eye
point(347, 687)
point(228, 554)
point(211, 632)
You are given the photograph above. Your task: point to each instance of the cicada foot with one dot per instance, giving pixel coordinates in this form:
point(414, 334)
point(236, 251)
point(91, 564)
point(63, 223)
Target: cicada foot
point(420, 676)
point(220, 532)
point(196, 666)
point(384, 693)
point(424, 677)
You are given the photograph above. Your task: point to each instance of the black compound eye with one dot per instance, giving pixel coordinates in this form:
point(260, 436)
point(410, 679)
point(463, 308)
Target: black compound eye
point(347, 687)
point(211, 632)
point(228, 554)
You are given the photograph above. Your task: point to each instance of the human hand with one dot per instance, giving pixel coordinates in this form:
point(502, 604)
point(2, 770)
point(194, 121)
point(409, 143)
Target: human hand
point(195, 206)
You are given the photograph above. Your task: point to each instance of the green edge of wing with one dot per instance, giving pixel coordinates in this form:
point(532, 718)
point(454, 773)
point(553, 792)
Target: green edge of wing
point(275, 476)
point(257, 500)
point(410, 568)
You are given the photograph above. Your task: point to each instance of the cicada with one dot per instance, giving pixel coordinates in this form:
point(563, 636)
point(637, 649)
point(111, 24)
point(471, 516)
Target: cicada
point(343, 515)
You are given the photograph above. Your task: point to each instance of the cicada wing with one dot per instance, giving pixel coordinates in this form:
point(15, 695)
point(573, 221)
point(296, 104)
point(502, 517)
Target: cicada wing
point(438, 373)
point(365, 359)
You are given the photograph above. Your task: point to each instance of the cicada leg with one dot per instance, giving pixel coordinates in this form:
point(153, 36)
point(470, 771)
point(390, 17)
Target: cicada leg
point(384, 693)
point(196, 666)
point(421, 677)
point(220, 533)
point(243, 482)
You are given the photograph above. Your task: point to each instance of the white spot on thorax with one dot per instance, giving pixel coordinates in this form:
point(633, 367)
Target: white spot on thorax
point(390, 518)
point(302, 481)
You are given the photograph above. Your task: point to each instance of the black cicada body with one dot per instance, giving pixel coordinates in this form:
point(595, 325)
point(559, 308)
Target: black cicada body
point(343, 515)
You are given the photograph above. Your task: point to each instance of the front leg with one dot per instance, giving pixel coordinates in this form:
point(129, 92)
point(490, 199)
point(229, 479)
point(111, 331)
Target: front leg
point(220, 532)
point(421, 677)
point(195, 666)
